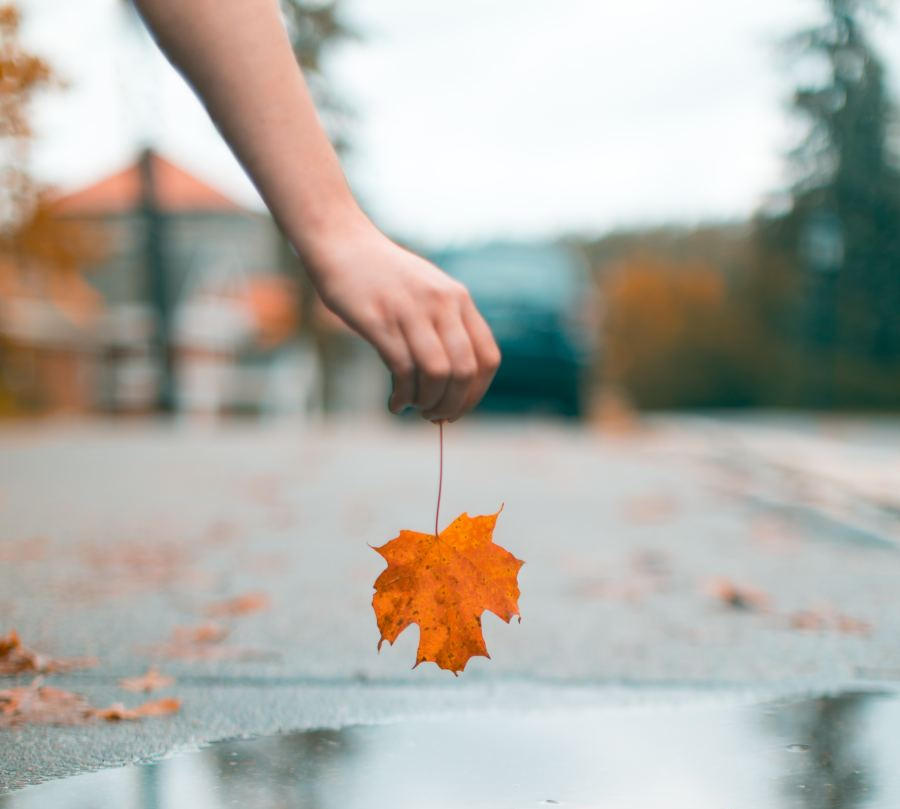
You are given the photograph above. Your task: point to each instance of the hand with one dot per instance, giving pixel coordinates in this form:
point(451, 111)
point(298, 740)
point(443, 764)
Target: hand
point(423, 323)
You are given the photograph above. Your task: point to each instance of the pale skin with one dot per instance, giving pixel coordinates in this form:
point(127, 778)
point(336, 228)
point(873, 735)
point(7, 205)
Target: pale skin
point(424, 325)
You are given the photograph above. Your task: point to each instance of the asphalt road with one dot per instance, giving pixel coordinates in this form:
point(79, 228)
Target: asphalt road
point(112, 537)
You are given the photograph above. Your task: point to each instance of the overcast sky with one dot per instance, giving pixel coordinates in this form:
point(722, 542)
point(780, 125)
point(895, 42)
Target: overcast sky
point(479, 118)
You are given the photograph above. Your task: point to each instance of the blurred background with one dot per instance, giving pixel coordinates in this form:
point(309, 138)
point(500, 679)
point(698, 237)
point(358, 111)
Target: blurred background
point(687, 207)
point(656, 207)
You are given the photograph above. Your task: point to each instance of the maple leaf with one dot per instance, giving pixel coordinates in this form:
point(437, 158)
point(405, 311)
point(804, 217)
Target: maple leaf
point(444, 583)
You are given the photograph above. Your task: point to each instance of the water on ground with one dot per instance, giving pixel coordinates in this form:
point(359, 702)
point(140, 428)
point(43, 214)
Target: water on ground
point(829, 752)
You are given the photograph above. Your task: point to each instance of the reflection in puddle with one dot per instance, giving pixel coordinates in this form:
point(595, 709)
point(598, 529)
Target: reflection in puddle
point(828, 753)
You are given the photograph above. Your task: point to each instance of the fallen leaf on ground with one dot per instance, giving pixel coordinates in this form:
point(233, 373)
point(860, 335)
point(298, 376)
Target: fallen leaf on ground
point(239, 605)
point(17, 659)
point(204, 643)
point(128, 567)
point(444, 584)
point(151, 680)
point(118, 712)
point(39, 704)
point(738, 596)
point(42, 705)
point(201, 642)
point(827, 619)
point(203, 633)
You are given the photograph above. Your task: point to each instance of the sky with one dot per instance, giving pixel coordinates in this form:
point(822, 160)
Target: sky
point(478, 118)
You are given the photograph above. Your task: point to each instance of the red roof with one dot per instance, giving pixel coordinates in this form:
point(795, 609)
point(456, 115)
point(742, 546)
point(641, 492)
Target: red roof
point(176, 192)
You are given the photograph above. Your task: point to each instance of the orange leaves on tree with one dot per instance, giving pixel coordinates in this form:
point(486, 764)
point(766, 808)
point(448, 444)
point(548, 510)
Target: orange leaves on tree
point(444, 583)
point(22, 75)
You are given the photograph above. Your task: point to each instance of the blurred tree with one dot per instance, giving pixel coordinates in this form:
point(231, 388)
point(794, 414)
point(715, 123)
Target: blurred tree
point(315, 26)
point(22, 74)
point(40, 253)
point(675, 336)
point(840, 239)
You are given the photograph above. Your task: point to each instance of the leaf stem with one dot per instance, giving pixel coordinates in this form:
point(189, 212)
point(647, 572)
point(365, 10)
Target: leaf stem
point(437, 511)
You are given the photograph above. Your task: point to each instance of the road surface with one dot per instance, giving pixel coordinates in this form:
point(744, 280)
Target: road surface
point(726, 555)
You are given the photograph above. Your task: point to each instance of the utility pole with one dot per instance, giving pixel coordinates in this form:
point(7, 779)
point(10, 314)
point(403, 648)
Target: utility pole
point(154, 223)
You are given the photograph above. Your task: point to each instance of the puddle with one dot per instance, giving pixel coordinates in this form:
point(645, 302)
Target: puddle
point(837, 752)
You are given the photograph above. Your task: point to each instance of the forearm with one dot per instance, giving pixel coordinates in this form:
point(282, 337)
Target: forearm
point(237, 56)
point(424, 325)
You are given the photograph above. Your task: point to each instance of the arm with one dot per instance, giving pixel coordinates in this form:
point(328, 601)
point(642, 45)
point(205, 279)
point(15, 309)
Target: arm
point(237, 56)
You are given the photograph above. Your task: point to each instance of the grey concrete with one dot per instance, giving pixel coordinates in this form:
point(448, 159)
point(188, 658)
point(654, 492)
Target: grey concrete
point(112, 536)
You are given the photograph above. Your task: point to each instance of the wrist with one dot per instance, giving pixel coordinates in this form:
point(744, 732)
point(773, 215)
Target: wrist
point(326, 233)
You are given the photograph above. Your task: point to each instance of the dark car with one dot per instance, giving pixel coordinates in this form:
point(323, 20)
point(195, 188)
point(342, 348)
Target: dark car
point(539, 302)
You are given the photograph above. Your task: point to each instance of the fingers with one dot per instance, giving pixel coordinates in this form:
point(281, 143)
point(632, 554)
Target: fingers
point(395, 354)
point(487, 354)
point(463, 366)
point(403, 376)
point(473, 357)
point(432, 365)
point(441, 354)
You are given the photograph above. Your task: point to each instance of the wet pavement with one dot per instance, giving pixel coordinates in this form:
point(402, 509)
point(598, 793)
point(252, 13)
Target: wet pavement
point(829, 752)
point(113, 538)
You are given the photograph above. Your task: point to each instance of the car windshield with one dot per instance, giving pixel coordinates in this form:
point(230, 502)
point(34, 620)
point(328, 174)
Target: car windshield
point(537, 276)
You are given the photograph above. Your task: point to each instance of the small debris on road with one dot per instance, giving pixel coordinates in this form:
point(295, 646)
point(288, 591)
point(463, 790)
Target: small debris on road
point(239, 605)
point(151, 680)
point(738, 596)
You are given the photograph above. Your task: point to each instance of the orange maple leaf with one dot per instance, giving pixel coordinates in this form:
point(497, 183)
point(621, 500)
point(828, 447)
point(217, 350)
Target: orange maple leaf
point(444, 583)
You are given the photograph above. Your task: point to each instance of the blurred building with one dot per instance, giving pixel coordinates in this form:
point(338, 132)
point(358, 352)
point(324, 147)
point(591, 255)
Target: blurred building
point(190, 299)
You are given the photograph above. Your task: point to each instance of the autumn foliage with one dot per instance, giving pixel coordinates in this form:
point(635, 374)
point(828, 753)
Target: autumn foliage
point(443, 584)
point(42, 254)
point(674, 335)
